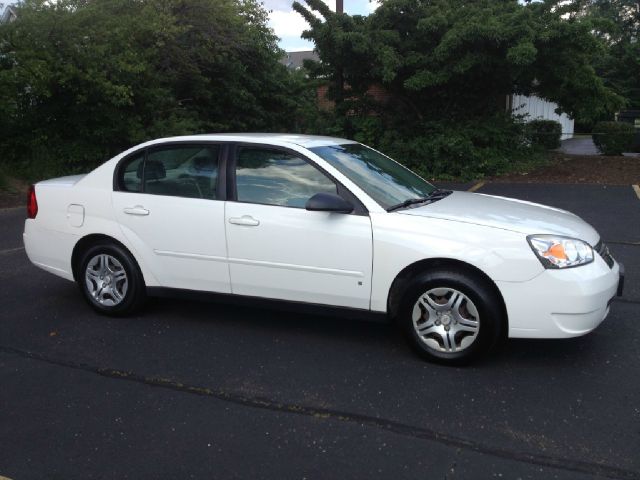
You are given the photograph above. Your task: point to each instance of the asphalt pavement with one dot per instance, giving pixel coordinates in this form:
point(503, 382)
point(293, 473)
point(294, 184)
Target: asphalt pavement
point(207, 390)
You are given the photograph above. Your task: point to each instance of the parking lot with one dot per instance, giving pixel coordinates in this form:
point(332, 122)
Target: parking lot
point(207, 390)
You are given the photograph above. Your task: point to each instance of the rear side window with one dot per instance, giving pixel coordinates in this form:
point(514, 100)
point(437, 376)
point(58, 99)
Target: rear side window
point(273, 177)
point(178, 171)
point(131, 174)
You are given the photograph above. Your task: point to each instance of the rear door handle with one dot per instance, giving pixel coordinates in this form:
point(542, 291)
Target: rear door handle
point(137, 210)
point(246, 220)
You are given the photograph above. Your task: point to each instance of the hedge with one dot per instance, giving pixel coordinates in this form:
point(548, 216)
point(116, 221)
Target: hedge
point(544, 133)
point(613, 138)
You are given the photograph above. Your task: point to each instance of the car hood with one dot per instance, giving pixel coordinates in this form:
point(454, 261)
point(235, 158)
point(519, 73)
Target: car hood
point(507, 214)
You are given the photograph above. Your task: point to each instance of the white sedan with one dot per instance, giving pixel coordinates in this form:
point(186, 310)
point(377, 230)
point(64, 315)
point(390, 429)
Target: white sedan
point(321, 221)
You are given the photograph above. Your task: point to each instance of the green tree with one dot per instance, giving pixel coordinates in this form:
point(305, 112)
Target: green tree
point(617, 24)
point(457, 57)
point(449, 66)
point(82, 79)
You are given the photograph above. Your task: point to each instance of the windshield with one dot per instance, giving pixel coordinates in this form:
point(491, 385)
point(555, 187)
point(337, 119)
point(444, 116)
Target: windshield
point(384, 180)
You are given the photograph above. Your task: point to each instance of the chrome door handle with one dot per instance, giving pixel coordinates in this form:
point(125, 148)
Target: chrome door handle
point(137, 210)
point(246, 220)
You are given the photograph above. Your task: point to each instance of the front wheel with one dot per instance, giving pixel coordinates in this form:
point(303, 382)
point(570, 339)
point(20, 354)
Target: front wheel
point(451, 317)
point(110, 280)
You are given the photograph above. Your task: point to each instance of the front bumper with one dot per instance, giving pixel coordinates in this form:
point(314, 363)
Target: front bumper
point(562, 303)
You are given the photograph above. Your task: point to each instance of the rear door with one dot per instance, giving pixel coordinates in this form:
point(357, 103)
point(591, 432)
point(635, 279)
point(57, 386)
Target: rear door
point(170, 205)
point(277, 249)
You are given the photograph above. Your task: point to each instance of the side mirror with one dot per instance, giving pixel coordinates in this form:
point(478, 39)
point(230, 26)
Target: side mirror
point(328, 202)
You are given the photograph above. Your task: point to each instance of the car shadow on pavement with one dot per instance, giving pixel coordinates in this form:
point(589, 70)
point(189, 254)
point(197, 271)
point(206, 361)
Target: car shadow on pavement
point(544, 351)
point(273, 319)
point(387, 337)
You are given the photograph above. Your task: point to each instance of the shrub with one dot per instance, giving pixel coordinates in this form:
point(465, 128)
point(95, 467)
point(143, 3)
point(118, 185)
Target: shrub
point(613, 138)
point(544, 133)
point(444, 150)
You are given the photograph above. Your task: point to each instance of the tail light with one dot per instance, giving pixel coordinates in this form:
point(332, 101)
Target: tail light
point(32, 203)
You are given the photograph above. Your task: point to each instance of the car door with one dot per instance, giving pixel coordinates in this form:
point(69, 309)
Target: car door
point(169, 204)
point(278, 249)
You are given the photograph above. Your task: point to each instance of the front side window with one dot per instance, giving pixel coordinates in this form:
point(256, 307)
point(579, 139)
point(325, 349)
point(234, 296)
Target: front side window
point(179, 171)
point(384, 180)
point(273, 177)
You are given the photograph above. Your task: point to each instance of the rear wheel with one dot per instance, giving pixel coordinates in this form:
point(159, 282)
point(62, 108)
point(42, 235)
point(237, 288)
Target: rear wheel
point(451, 317)
point(110, 280)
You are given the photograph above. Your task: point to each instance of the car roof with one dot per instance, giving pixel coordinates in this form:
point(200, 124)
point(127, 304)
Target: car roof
point(307, 141)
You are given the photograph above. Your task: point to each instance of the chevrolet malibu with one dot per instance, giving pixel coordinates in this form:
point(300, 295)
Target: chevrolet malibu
point(321, 221)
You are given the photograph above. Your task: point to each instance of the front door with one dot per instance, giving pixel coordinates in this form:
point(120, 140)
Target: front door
point(167, 203)
point(277, 249)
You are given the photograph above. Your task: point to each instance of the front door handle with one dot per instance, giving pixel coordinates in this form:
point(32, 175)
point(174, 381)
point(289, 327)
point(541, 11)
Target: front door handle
point(246, 220)
point(137, 210)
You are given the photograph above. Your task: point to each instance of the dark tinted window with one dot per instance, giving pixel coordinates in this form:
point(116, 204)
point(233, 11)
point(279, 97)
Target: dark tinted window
point(179, 171)
point(273, 177)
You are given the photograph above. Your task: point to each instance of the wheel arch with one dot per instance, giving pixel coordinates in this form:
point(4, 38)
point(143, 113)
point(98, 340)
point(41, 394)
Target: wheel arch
point(95, 239)
point(410, 271)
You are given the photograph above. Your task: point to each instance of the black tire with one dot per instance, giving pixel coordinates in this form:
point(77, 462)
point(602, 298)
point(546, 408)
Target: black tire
point(491, 318)
point(135, 295)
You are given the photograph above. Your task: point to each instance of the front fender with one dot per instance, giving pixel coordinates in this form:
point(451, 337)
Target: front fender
point(402, 240)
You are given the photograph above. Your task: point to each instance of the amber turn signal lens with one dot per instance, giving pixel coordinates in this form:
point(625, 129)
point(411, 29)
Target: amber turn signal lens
point(556, 251)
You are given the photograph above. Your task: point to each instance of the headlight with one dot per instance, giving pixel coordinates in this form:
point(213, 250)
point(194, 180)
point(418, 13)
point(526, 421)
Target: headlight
point(560, 252)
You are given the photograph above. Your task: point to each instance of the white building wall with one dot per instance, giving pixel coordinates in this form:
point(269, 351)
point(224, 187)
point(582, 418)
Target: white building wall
point(537, 108)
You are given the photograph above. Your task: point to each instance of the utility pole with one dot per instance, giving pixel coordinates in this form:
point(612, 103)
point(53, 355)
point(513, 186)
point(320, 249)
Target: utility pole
point(339, 76)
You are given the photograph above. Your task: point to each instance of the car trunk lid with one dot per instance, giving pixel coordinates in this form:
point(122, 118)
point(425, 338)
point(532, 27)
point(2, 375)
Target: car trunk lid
point(68, 181)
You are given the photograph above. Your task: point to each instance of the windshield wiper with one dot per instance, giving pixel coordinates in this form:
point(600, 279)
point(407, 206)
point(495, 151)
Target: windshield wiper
point(407, 203)
point(437, 194)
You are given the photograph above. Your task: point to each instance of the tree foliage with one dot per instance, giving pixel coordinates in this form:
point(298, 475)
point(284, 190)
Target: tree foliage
point(448, 67)
point(461, 58)
point(617, 24)
point(82, 79)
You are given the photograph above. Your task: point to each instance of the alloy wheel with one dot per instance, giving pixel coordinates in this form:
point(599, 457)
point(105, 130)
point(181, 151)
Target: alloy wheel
point(106, 280)
point(446, 320)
